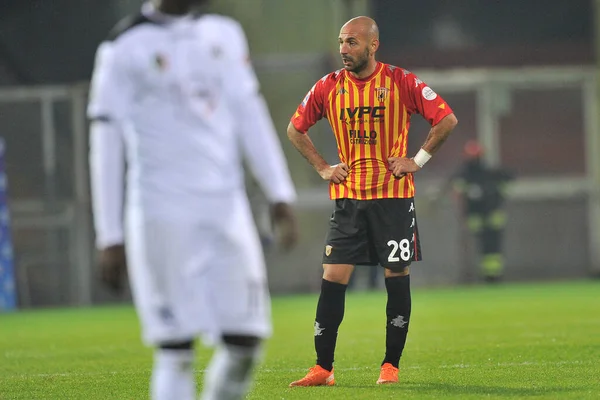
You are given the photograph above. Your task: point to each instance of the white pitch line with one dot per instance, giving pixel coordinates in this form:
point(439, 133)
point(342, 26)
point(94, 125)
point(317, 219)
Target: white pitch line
point(293, 370)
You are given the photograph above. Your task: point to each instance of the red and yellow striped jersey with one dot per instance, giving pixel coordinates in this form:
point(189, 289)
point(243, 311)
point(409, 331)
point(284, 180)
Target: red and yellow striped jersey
point(370, 119)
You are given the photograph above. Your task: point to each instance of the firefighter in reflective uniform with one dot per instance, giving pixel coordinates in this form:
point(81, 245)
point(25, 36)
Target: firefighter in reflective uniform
point(482, 190)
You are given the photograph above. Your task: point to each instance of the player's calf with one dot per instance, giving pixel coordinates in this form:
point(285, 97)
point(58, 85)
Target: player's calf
point(230, 371)
point(173, 372)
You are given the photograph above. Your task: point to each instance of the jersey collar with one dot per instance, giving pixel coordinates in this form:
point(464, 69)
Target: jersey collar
point(368, 78)
point(149, 11)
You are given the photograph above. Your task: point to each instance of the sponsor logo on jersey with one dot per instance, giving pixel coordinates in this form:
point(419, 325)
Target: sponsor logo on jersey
point(361, 112)
point(362, 136)
point(160, 62)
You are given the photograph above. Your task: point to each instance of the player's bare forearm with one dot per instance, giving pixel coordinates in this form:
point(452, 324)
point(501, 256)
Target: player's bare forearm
point(439, 133)
point(334, 173)
point(306, 147)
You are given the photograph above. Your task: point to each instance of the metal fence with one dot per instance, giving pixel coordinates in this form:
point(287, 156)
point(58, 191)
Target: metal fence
point(45, 130)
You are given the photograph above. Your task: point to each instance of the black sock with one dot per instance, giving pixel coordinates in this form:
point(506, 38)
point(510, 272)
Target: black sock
point(398, 317)
point(330, 312)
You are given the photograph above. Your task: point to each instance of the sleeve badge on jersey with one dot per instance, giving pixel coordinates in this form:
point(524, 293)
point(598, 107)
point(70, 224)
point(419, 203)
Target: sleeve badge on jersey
point(428, 93)
point(382, 93)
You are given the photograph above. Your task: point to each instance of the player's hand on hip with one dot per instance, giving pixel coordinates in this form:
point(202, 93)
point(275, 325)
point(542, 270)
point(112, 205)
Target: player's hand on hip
point(400, 166)
point(335, 173)
point(284, 218)
point(113, 267)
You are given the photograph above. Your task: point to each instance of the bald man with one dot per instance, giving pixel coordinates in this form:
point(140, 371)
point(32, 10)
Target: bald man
point(368, 105)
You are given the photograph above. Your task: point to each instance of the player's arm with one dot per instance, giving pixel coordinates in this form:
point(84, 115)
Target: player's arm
point(107, 169)
point(109, 96)
point(264, 153)
point(423, 100)
point(265, 158)
point(439, 133)
point(258, 137)
point(302, 142)
point(435, 139)
point(307, 114)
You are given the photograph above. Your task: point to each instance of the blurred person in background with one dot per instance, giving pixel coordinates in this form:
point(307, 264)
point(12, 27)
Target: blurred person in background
point(368, 105)
point(175, 103)
point(481, 191)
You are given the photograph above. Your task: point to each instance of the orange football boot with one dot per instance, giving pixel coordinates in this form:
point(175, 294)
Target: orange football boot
point(388, 374)
point(317, 376)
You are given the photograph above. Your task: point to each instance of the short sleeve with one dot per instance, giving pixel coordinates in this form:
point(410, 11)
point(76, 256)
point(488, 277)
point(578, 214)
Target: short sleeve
point(111, 92)
point(312, 108)
point(420, 98)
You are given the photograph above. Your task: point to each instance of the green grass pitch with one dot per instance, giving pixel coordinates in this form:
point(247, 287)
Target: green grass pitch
point(513, 341)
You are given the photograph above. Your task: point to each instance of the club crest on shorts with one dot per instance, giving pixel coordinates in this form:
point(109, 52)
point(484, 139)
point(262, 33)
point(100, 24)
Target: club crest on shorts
point(382, 93)
point(328, 249)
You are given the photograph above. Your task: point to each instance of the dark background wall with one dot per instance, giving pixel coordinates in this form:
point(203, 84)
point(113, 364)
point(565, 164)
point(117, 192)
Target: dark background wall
point(488, 33)
point(294, 44)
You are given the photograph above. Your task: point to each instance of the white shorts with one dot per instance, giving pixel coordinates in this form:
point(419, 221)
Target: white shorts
point(198, 273)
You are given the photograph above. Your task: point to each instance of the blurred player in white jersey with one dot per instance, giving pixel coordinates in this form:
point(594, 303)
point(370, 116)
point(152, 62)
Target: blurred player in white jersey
point(175, 107)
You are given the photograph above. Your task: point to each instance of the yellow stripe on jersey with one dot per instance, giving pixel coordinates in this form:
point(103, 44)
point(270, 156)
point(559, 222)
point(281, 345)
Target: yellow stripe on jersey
point(381, 82)
point(368, 169)
point(357, 151)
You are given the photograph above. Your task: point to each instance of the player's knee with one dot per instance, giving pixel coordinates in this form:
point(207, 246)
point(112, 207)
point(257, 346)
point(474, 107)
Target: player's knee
point(398, 271)
point(187, 345)
point(337, 273)
point(242, 340)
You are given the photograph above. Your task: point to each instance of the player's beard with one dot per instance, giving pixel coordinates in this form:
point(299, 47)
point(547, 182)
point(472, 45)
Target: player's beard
point(360, 63)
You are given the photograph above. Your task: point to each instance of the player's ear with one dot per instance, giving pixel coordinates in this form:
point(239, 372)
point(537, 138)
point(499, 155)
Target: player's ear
point(374, 45)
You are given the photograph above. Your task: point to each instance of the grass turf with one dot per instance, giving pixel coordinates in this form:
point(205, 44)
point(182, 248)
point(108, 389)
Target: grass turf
point(539, 341)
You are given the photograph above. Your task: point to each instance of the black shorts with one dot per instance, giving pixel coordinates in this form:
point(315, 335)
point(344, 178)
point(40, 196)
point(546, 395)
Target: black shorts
point(371, 232)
